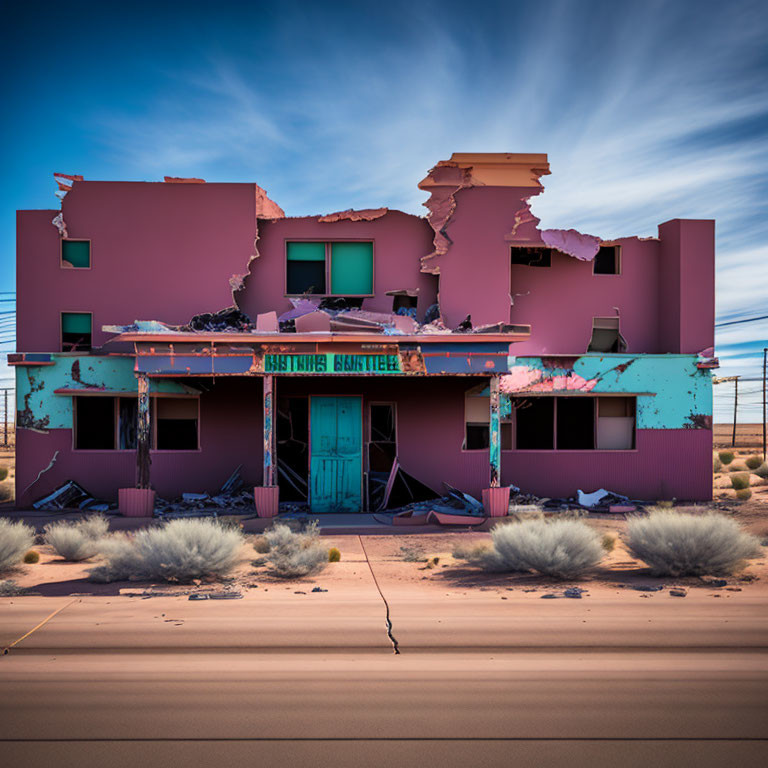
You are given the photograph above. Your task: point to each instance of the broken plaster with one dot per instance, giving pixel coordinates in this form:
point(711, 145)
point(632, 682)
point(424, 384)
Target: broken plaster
point(365, 214)
point(570, 241)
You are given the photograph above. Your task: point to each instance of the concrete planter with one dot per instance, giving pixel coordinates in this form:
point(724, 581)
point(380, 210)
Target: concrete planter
point(496, 501)
point(136, 502)
point(267, 498)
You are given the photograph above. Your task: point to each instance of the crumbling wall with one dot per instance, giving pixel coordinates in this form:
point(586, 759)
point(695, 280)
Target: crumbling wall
point(677, 394)
point(399, 241)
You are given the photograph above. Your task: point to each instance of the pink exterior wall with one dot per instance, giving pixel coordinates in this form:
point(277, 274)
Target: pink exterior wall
point(475, 272)
point(400, 241)
point(230, 434)
point(158, 252)
point(687, 285)
point(560, 301)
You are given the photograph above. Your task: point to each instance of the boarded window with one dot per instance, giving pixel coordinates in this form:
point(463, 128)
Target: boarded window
point(532, 257)
point(305, 268)
point(606, 262)
point(76, 254)
point(351, 269)
point(94, 423)
point(535, 423)
point(176, 424)
point(606, 336)
point(575, 423)
point(616, 423)
point(75, 331)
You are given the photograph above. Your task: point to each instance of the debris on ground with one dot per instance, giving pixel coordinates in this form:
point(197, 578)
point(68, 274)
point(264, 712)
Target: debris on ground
point(646, 588)
point(678, 592)
point(575, 592)
point(319, 589)
point(71, 495)
point(232, 498)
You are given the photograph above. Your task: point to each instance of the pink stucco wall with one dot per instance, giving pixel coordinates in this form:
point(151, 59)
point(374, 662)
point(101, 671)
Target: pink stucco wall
point(158, 252)
point(400, 240)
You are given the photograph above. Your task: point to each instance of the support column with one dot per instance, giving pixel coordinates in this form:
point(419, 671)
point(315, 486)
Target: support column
point(495, 434)
point(270, 474)
point(143, 459)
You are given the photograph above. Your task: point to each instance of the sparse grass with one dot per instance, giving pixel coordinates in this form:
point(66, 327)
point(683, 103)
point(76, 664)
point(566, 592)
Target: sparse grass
point(482, 555)
point(726, 456)
point(739, 482)
point(334, 555)
point(666, 503)
point(180, 551)
point(32, 557)
point(295, 553)
point(526, 511)
point(744, 494)
point(608, 542)
point(753, 462)
point(412, 553)
point(16, 539)
point(679, 544)
point(77, 540)
point(9, 588)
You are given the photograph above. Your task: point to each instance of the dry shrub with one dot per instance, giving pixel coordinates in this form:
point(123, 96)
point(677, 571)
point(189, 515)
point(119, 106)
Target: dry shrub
point(563, 549)
point(753, 462)
point(6, 492)
point(738, 466)
point(740, 481)
point(717, 465)
point(608, 542)
point(3, 473)
point(526, 511)
point(77, 540)
point(762, 471)
point(334, 555)
point(482, 555)
point(744, 494)
point(32, 557)
point(726, 456)
point(412, 553)
point(180, 551)
point(261, 545)
point(295, 553)
point(16, 540)
point(9, 588)
point(680, 544)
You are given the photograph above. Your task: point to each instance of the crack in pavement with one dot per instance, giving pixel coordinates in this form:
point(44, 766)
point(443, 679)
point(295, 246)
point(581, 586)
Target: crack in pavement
point(387, 618)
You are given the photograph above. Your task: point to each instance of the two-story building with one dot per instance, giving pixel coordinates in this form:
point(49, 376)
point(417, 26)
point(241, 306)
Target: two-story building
point(468, 346)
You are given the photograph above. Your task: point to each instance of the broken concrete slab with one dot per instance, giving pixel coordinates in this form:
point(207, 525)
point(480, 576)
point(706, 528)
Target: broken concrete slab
point(313, 322)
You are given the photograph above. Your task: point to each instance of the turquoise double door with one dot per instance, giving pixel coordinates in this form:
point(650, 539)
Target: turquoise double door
point(336, 454)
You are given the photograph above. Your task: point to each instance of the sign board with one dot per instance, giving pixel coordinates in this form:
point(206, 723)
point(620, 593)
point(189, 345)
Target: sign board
point(331, 362)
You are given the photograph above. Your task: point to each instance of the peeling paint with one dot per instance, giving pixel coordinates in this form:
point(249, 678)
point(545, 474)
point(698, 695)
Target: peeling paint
point(365, 214)
point(574, 243)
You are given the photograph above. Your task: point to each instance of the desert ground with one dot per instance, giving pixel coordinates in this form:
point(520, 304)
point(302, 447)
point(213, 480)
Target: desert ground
point(391, 662)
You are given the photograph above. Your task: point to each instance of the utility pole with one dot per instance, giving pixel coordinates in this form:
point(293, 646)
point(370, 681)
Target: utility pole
point(765, 359)
point(735, 406)
point(5, 419)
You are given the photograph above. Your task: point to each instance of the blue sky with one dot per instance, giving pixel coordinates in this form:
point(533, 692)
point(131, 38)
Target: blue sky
point(648, 111)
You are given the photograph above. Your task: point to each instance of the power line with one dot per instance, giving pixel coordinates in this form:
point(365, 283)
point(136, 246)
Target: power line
point(745, 320)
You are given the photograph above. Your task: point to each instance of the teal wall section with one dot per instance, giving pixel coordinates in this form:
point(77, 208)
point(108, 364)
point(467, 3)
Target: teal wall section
point(40, 408)
point(682, 393)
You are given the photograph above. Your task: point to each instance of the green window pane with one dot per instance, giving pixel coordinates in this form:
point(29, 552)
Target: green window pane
point(77, 253)
point(306, 251)
point(75, 322)
point(351, 268)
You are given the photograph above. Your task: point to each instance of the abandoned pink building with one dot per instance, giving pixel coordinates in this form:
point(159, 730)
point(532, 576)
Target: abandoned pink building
point(171, 332)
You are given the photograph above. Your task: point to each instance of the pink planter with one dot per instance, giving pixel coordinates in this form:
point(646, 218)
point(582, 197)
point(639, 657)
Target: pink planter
point(136, 502)
point(267, 498)
point(496, 501)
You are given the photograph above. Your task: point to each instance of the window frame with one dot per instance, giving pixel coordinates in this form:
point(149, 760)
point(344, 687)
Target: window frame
point(618, 271)
point(596, 396)
point(328, 259)
point(153, 398)
point(75, 240)
point(61, 331)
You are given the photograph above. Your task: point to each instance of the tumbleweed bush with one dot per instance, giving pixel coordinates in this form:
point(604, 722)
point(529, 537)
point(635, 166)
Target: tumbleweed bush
point(295, 553)
point(179, 551)
point(681, 544)
point(16, 539)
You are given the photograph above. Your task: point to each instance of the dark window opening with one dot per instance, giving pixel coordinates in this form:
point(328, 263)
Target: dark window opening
point(94, 423)
point(75, 331)
point(176, 424)
point(575, 423)
point(606, 336)
point(532, 257)
point(76, 254)
point(478, 437)
point(404, 302)
point(383, 423)
point(535, 418)
point(606, 261)
point(292, 425)
point(506, 436)
point(127, 422)
point(305, 277)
